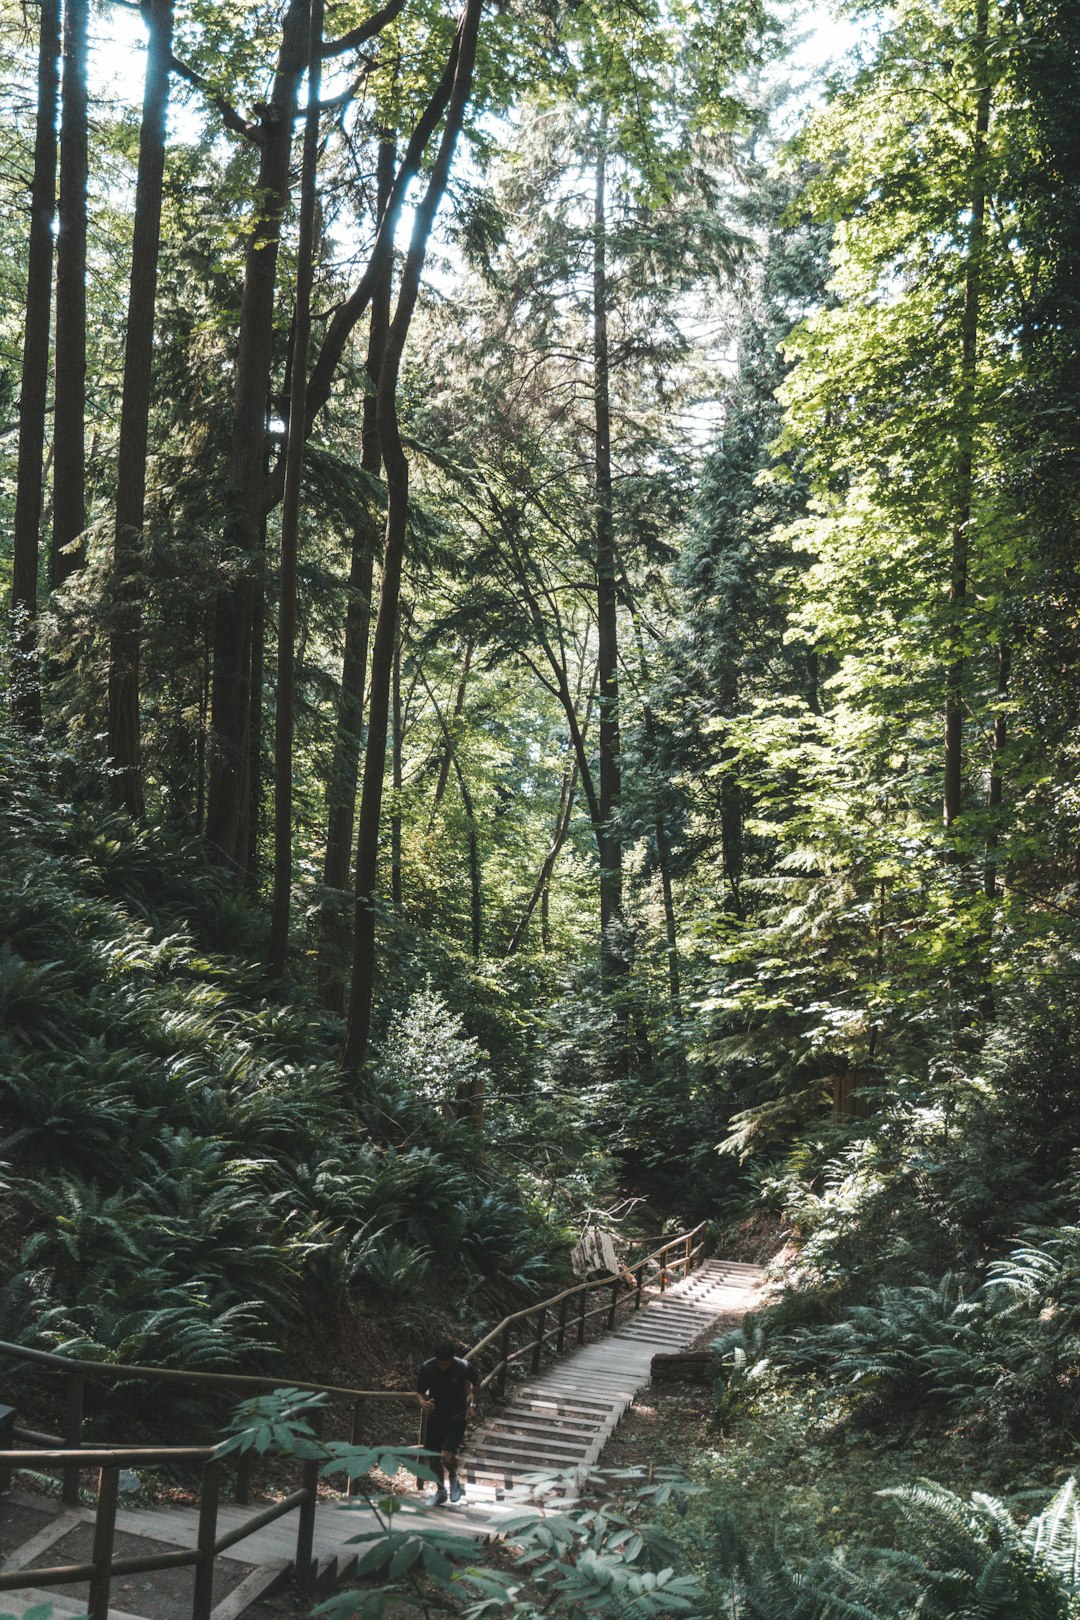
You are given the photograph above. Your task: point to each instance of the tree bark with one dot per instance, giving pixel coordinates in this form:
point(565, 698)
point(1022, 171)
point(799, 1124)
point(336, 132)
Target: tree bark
point(126, 637)
point(362, 988)
point(612, 954)
point(285, 687)
point(956, 659)
point(69, 412)
point(345, 767)
point(227, 828)
point(25, 672)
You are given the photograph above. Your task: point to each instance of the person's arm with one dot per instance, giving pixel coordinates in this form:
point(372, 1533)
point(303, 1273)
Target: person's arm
point(474, 1383)
point(423, 1390)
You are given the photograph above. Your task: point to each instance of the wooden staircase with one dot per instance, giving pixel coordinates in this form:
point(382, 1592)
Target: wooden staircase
point(556, 1420)
point(560, 1419)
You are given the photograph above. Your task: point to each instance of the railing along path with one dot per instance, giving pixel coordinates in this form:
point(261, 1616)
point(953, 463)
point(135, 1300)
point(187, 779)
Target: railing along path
point(542, 1326)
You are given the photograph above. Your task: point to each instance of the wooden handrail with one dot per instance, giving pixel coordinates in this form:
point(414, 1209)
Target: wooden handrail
point(683, 1241)
point(179, 1375)
point(72, 1456)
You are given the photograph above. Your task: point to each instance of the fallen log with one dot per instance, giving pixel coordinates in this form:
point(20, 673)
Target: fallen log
point(685, 1366)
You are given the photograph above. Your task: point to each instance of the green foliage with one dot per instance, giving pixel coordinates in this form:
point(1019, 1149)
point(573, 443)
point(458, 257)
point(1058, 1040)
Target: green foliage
point(183, 1174)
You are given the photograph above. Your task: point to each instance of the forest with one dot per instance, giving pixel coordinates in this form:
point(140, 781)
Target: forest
point(540, 668)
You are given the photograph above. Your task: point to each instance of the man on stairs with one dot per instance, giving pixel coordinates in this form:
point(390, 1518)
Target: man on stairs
point(449, 1388)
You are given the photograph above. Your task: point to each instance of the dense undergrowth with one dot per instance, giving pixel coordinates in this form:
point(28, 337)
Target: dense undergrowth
point(184, 1175)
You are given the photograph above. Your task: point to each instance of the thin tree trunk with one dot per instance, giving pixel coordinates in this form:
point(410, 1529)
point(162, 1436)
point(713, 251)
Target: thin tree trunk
point(459, 709)
point(285, 702)
point(956, 660)
point(362, 988)
point(200, 745)
point(997, 775)
point(396, 895)
point(476, 900)
point(344, 770)
point(253, 773)
point(613, 960)
point(125, 643)
point(69, 413)
point(25, 672)
point(567, 795)
point(228, 808)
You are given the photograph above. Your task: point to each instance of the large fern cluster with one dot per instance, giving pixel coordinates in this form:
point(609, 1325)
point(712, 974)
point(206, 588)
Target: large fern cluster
point(182, 1173)
point(954, 1559)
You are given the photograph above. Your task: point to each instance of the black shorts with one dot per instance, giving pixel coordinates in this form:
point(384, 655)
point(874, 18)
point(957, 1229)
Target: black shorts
point(445, 1434)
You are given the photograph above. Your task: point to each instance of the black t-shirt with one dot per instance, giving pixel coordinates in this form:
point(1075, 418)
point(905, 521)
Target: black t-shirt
point(448, 1388)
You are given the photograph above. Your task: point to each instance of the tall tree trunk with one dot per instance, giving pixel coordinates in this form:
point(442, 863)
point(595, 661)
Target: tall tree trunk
point(25, 673)
point(613, 960)
point(227, 828)
point(69, 414)
point(345, 767)
point(125, 640)
point(956, 661)
point(285, 688)
point(362, 988)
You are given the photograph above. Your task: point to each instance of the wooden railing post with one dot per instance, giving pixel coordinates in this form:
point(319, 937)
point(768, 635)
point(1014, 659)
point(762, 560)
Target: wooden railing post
point(582, 1297)
point(305, 1529)
point(352, 1486)
point(663, 1270)
point(73, 1421)
point(689, 1247)
point(640, 1286)
point(538, 1347)
point(504, 1350)
point(104, 1532)
point(244, 1468)
point(614, 1304)
point(202, 1601)
point(564, 1306)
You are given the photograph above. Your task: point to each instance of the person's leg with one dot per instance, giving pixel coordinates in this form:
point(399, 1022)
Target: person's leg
point(434, 1457)
point(452, 1439)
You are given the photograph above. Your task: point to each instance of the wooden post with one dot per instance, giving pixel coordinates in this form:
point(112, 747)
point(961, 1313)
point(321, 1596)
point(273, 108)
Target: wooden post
point(243, 1477)
point(104, 1531)
point(538, 1347)
point(73, 1421)
point(352, 1486)
point(640, 1286)
point(305, 1529)
point(505, 1352)
point(202, 1601)
point(614, 1303)
point(687, 1266)
point(564, 1306)
point(582, 1297)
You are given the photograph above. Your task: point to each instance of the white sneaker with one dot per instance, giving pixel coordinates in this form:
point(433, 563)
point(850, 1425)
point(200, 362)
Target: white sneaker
point(457, 1489)
point(438, 1498)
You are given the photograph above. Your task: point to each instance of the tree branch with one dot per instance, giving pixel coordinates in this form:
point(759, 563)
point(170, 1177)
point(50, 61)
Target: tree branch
point(364, 31)
point(229, 115)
